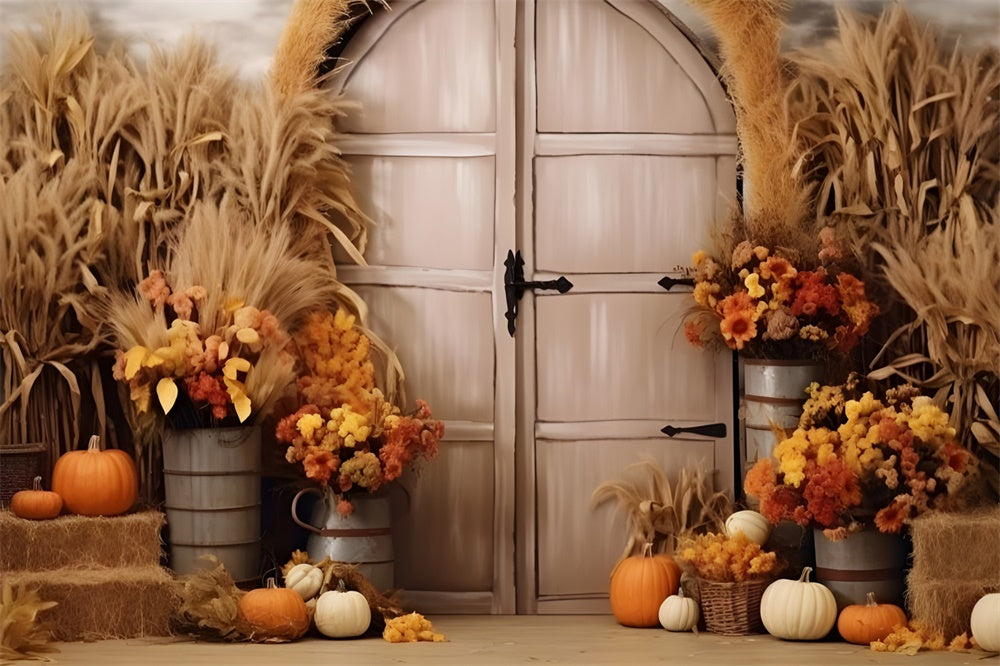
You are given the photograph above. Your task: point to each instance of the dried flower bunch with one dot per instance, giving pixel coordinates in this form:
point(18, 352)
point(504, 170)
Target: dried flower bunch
point(346, 433)
point(761, 304)
point(894, 457)
point(726, 559)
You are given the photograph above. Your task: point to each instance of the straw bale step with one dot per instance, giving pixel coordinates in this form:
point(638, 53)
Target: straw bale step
point(132, 540)
point(98, 604)
point(956, 560)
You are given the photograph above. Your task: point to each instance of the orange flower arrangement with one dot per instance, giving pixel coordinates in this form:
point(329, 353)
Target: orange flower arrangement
point(759, 303)
point(346, 434)
point(725, 559)
point(893, 457)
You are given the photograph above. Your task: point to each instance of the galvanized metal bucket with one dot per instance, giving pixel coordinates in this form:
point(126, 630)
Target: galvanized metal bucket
point(212, 487)
point(773, 395)
point(363, 538)
point(866, 561)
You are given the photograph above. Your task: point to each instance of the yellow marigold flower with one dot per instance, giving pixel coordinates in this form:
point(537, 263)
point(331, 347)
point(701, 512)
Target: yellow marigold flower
point(698, 257)
point(752, 282)
point(825, 454)
point(308, 424)
point(928, 422)
point(705, 294)
point(743, 273)
point(791, 457)
point(761, 252)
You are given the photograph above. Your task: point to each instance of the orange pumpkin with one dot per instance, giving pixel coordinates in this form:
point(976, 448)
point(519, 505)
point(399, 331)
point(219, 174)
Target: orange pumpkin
point(639, 584)
point(95, 482)
point(36, 504)
point(272, 612)
point(864, 623)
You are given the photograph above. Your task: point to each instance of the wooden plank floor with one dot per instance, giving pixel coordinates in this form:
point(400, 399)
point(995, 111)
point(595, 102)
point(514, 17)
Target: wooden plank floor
point(578, 639)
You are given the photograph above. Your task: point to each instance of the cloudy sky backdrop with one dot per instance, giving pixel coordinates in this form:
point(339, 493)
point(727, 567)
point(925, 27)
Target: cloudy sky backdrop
point(246, 31)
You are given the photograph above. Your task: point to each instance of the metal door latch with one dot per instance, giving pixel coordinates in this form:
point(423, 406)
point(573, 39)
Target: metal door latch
point(714, 430)
point(514, 286)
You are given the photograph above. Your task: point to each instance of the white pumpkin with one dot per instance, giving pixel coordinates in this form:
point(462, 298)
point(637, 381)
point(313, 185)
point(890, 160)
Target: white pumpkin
point(342, 614)
point(678, 613)
point(754, 525)
point(798, 610)
point(986, 622)
point(305, 579)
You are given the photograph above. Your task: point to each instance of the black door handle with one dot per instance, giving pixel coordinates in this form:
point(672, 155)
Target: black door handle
point(714, 430)
point(514, 286)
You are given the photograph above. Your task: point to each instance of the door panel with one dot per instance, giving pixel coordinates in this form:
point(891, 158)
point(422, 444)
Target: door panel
point(426, 210)
point(589, 205)
point(433, 69)
point(439, 547)
point(600, 71)
point(568, 473)
point(445, 341)
point(618, 356)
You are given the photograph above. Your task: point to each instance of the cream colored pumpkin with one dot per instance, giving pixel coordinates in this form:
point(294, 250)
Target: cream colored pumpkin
point(755, 526)
point(986, 622)
point(342, 614)
point(679, 613)
point(305, 579)
point(798, 610)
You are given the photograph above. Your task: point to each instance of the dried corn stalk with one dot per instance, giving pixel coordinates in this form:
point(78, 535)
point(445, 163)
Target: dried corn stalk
point(900, 140)
point(660, 512)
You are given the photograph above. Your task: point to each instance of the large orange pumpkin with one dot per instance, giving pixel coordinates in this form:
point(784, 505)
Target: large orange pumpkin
point(272, 613)
point(36, 504)
point(95, 482)
point(639, 584)
point(864, 623)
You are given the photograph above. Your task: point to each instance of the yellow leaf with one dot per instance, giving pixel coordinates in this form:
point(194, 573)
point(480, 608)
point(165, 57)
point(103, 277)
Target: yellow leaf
point(166, 391)
point(234, 365)
point(241, 401)
point(133, 360)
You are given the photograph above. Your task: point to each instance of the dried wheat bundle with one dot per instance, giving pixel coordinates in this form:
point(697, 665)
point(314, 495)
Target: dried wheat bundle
point(900, 138)
point(660, 512)
point(895, 132)
point(105, 165)
point(775, 204)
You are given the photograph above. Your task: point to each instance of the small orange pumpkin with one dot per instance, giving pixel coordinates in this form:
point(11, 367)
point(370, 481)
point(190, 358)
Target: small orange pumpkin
point(864, 623)
point(272, 613)
point(95, 482)
point(639, 584)
point(36, 504)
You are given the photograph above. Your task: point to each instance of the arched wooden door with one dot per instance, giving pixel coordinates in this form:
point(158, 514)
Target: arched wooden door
point(592, 137)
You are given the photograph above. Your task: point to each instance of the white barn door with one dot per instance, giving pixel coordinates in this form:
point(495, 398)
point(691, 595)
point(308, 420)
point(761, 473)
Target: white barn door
point(590, 136)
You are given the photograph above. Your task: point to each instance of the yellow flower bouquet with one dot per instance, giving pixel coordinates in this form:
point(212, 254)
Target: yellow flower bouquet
point(852, 458)
point(346, 434)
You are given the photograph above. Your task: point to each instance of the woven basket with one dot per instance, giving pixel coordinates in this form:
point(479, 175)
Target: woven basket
point(732, 609)
point(19, 465)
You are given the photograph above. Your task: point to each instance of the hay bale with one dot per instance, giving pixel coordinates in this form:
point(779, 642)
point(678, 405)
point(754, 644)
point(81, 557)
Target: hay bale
point(965, 545)
point(944, 604)
point(956, 560)
point(132, 540)
point(98, 604)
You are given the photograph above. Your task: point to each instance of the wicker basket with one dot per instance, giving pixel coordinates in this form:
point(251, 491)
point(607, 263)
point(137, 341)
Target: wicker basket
point(19, 465)
point(732, 609)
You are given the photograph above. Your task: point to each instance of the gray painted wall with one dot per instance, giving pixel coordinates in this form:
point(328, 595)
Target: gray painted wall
point(246, 31)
